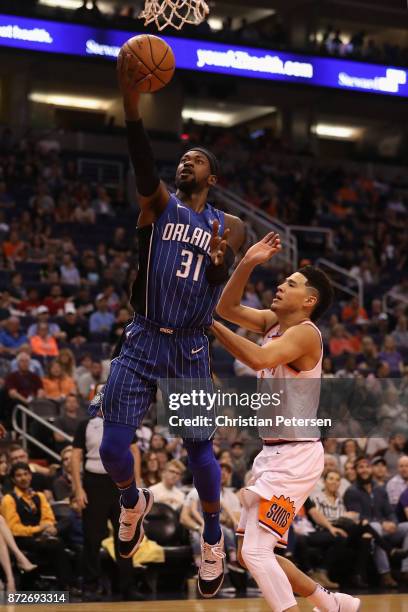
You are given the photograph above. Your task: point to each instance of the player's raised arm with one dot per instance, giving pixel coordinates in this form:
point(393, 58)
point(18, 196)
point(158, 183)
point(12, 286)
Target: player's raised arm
point(229, 307)
point(153, 194)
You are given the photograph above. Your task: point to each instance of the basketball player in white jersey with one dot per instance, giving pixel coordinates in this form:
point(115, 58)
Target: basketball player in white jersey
point(289, 466)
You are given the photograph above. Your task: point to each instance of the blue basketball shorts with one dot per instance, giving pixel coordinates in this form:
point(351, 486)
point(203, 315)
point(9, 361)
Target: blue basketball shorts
point(150, 354)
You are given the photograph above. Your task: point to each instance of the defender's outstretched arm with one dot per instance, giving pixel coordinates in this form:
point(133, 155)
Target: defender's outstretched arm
point(229, 307)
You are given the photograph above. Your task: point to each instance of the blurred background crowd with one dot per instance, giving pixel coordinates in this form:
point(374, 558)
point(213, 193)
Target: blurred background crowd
point(67, 258)
point(271, 31)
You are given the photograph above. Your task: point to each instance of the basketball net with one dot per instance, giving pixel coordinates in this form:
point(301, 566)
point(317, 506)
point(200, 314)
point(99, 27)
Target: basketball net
point(174, 12)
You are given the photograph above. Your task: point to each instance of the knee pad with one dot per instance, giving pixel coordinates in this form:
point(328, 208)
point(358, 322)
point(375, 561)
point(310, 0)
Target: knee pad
point(110, 453)
point(114, 451)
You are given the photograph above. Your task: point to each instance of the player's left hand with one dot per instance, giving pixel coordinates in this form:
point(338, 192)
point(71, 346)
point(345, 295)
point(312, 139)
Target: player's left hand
point(263, 250)
point(218, 244)
point(3, 431)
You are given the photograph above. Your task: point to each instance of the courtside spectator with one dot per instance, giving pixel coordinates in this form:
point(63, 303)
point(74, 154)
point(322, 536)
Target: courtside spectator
point(392, 357)
point(66, 359)
point(150, 469)
point(40, 475)
point(12, 336)
point(398, 483)
point(21, 386)
point(16, 288)
point(341, 341)
point(55, 302)
point(372, 504)
point(35, 366)
point(75, 328)
point(57, 385)
point(69, 420)
point(396, 449)
point(69, 272)
point(14, 248)
point(43, 343)
point(101, 321)
point(352, 311)
point(167, 490)
point(43, 315)
point(83, 213)
point(368, 357)
point(32, 522)
point(89, 380)
point(62, 484)
point(380, 471)
point(31, 303)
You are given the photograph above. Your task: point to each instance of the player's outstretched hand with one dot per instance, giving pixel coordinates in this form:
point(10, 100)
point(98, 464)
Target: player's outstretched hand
point(218, 244)
point(263, 250)
point(128, 71)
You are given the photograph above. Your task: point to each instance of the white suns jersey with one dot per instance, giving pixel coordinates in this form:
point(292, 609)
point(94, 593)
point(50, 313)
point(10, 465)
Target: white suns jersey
point(299, 393)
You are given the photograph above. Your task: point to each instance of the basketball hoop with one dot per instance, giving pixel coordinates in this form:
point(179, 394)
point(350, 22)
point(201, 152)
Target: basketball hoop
point(174, 12)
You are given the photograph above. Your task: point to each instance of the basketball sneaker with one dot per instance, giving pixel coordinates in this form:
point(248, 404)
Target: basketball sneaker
point(346, 603)
point(131, 530)
point(211, 573)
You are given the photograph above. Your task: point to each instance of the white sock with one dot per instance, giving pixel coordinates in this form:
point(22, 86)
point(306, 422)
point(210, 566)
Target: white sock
point(324, 600)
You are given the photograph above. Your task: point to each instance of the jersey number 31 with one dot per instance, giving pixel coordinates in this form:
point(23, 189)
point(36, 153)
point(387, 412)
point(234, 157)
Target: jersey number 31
point(187, 263)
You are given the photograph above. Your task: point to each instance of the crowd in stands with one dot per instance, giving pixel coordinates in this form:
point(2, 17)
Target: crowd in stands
point(268, 32)
point(67, 257)
point(359, 46)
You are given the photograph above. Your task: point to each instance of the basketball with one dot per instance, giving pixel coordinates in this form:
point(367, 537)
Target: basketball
point(156, 57)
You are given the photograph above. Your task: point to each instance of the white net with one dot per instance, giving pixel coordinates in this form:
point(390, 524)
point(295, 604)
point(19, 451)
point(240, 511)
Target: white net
point(174, 13)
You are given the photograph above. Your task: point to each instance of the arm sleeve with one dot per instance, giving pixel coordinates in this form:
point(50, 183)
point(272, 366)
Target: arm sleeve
point(141, 154)
point(9, 511)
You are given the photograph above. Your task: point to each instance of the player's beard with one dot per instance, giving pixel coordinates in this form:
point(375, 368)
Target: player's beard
point(187, 185)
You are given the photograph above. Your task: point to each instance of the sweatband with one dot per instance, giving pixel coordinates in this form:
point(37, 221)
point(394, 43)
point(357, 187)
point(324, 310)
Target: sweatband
point(213, 161)
point(141, 154)
point(216, 275)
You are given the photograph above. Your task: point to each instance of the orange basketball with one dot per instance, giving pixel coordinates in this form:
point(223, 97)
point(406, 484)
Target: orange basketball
point(156, 57)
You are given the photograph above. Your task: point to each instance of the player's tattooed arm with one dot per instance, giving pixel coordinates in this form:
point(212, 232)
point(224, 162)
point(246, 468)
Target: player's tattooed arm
point(153, 194)
point(230, 307)
point(295, 343)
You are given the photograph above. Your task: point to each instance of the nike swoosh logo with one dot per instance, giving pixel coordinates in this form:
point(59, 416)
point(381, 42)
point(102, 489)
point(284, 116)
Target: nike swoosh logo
point(180, 206)
point(194, 351)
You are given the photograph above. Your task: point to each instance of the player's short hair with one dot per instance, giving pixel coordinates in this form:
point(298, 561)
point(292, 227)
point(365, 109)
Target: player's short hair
point(320, 282)
point(212, 160)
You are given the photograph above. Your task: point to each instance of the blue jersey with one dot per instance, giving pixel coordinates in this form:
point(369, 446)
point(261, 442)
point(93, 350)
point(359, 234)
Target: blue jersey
point(171, 288)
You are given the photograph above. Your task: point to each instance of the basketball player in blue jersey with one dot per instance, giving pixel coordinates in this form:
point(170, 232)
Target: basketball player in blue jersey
point(186, 248)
